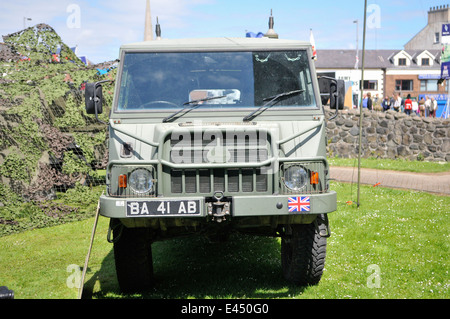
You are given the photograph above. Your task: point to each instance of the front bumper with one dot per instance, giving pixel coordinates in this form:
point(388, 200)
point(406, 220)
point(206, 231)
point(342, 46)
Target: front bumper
point(240, 206)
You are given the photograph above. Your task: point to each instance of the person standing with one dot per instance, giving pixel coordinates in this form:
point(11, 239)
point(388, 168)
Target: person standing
point(386, 104)
point(427, 107)
point(364, 101)
point(402, 104)
point(434, 107)
point(415, 106)
point(369, 102)
point(408, 105)
point(422, 107)
point(397, 103)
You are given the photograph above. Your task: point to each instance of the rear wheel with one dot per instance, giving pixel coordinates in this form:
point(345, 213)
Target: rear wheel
point(303, 254)
point(133, 258)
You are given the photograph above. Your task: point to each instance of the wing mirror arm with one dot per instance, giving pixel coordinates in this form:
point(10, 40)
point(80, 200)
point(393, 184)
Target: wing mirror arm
point(337, 110)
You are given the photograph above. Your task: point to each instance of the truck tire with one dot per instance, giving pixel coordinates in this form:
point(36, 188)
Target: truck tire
point(303, 255)
point(133, 258)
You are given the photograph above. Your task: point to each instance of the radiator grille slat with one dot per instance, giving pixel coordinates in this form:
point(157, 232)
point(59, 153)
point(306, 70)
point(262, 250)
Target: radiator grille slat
point(190, 178)
point(226, 180)
point(205, 181)
point(233, 180)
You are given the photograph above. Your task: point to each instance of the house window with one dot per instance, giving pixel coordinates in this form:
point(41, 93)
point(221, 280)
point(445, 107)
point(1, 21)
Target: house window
point(428, 86)
point(402, 61)
point(425, 62)
point(436, 37)
point(371, 85)
point(403, 85)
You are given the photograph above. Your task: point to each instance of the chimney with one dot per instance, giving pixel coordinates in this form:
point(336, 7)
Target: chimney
point(439, 14)
point(271, 32)
point(148, 32)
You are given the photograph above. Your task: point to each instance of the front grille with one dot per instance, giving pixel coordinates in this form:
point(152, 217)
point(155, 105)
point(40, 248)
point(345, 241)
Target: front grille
point(218, 147)
point(208, 181)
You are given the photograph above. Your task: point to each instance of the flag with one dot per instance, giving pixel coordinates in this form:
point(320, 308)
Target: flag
point(313, 44)
point(254, 35)
point(299, 204)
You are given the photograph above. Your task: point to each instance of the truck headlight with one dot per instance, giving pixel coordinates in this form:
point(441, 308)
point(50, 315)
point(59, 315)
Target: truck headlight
point(141, 180)
point(295, 177)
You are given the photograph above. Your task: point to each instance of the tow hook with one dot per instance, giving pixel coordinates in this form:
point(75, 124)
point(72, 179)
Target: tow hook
point(113, 224)
point(323, 231)
point(218, 209)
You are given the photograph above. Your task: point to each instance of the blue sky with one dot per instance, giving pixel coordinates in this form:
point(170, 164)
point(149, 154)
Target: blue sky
point(99, 27)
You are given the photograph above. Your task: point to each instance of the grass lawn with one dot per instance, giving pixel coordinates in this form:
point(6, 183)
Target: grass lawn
point(391, 164)
point(395, 245)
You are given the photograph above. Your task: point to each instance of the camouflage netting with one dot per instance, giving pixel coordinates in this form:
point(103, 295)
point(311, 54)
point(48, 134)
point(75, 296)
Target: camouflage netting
point(47, 141)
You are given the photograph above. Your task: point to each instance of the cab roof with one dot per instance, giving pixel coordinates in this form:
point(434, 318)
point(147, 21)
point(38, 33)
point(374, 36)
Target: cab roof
point(234, 44)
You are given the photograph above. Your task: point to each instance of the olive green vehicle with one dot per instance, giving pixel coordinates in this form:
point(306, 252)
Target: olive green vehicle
point(211, 136)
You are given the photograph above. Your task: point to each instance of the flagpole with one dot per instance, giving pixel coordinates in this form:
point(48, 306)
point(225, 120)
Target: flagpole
point(357, 43)
point(361, 89)
point(313, 44)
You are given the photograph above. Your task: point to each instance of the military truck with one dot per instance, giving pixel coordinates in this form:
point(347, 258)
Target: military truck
point(211, 136)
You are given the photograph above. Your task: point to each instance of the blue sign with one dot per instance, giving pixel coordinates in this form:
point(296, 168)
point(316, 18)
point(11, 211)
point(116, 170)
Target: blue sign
point(445, 68)
point(446, 30)
point(429, 76)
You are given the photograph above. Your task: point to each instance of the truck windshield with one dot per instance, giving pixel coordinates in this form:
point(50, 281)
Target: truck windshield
point(167, 81)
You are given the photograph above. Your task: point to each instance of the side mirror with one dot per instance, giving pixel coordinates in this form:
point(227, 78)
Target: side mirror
point(334, 91)
point(324, 88)
point(93, 98)
point(337, 94)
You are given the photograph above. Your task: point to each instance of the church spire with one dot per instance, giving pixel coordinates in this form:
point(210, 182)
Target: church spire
point(148, 32)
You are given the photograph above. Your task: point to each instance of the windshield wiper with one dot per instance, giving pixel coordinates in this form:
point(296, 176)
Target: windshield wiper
point(271, 101)
point(188, 109)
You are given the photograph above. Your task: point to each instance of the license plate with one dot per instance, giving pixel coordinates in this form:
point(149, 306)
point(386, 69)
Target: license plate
point(163, 208)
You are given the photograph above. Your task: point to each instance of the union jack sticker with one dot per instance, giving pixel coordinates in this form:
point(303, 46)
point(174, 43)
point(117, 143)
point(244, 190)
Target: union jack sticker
point(299, 204)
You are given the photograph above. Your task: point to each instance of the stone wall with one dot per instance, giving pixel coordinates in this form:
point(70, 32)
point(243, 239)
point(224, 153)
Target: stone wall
point(388, 135)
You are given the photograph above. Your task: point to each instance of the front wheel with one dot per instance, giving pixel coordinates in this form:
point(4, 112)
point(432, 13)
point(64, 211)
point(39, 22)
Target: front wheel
point(303, 254)
point(133, 258)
